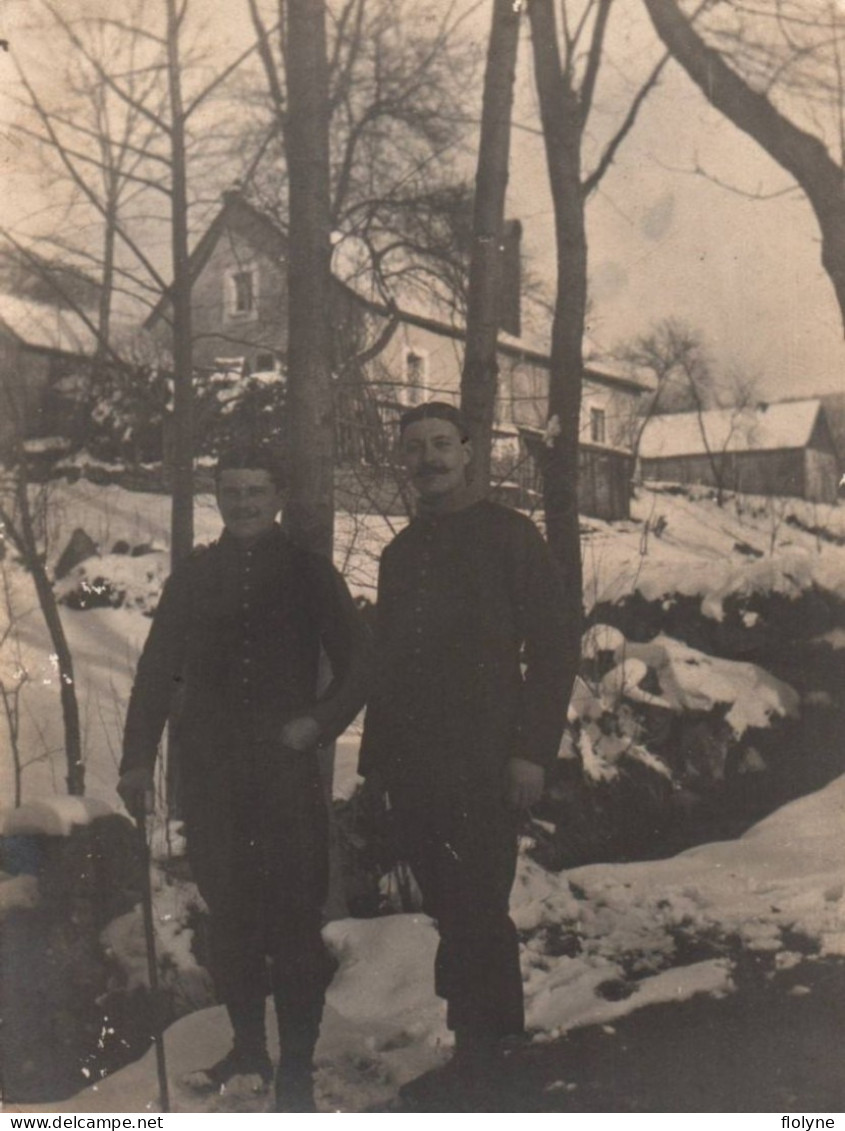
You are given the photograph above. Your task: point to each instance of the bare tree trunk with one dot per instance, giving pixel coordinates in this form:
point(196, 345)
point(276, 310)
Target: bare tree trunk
point(479, 380)
point(11, 696)
point(309, 514)
point(715, 459)
point(107, 281)
point(311, 433)
point(182, 514)
point(23, 535)
point(562, 119)
point(11, 709)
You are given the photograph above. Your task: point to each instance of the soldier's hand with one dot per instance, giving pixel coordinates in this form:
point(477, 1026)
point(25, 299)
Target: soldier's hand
point(137, 791)
point(525, 783)
point(301, 734)
point(373, 793)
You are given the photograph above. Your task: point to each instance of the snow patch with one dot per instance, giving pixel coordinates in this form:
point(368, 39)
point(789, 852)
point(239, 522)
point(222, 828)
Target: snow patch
point(385, 969)
point(119, 579)
point(52, 816)
point(693, 681)
point(383, 1023)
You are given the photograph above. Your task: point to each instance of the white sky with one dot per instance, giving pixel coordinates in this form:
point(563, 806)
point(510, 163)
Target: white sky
point(666, 242)
point(663, 241)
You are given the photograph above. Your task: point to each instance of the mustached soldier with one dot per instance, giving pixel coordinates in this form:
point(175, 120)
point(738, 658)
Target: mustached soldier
point(238, 633)
point(473, 675)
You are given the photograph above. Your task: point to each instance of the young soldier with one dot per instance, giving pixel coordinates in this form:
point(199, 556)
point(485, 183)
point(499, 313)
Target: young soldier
point(236, 643)
point(473, 677)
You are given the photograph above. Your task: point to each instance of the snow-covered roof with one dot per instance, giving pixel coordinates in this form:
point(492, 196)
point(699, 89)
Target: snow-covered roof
point(438, 314)
point(595, 357)
point(768, 427)
point(45, 326)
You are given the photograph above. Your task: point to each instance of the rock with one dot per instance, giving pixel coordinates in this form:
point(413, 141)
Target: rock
point(79, 548)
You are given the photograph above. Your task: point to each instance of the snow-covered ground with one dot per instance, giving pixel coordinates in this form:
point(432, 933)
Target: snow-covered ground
point(783, 881)
point(676, 544)
point(106, 642)
point(600, 941)
point(684, 543)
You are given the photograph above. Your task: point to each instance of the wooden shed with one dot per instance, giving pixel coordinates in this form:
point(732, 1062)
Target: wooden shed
point(782, 448)
point(39, 344)
point(604, 476)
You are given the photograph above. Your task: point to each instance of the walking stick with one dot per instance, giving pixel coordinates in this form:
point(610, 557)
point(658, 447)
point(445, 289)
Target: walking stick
point(152, 965)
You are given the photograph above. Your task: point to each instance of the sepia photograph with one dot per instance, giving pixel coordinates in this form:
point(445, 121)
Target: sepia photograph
point(422, 558)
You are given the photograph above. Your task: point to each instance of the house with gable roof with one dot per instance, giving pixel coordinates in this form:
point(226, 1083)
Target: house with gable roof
point(782, 448)
point(410, 354)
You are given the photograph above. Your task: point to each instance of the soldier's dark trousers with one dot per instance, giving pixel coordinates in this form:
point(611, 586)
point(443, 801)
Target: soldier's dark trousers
point(261, 864)
point(464, 860)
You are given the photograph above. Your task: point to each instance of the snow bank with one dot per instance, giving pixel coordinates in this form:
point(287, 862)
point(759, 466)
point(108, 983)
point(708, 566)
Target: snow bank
point(784, 878)
point(124, 940)
point(52, 816)
point(577, 998)
point(604, 733)
point(684, 544)
point(691, 680)
point(790, 574)
point(379, 976)
point(119, 580)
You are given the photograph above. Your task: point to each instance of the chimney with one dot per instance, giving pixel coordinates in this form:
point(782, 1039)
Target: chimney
point(233, 193)
point(510, 279)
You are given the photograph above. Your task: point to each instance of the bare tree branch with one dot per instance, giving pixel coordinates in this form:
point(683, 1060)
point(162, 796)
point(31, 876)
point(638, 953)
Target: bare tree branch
point(802, 154)
point(82, 183)
point(226, 73)
point(594, 57)
point(110, 82)
point(612, 148)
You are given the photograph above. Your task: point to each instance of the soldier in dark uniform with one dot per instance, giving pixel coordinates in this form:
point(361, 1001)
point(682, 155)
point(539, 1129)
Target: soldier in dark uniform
point(472, 682)
point(232, 660)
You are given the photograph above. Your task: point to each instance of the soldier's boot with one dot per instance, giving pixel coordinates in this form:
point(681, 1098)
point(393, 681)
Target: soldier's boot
point(299, 1030)
point(469, 1082)
point(247, 1060)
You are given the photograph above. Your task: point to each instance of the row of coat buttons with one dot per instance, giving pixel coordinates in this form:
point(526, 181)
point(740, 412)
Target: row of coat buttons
point(246, 658)
point(425, 562)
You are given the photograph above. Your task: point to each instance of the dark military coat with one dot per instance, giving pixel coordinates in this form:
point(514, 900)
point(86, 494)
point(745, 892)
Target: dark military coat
point(233, 653)
point(473, 664)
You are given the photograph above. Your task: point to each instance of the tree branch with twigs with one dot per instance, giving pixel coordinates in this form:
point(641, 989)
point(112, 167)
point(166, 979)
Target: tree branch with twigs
point(771, 86)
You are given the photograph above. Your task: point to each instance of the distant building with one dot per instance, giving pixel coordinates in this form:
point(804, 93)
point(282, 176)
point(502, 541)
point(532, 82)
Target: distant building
point(40, 344)
point(783, 448)
point(834, 407)
point(239, 313)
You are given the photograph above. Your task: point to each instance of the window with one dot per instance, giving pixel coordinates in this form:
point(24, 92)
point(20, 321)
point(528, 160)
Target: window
point(265, 362)
point(241, 293)
point(244, 297)
point(597, 426)
point(416, 375)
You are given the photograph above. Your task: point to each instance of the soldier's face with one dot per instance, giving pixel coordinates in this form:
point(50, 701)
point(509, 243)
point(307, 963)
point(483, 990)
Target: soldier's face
point(249, 502)
point(436, 457)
